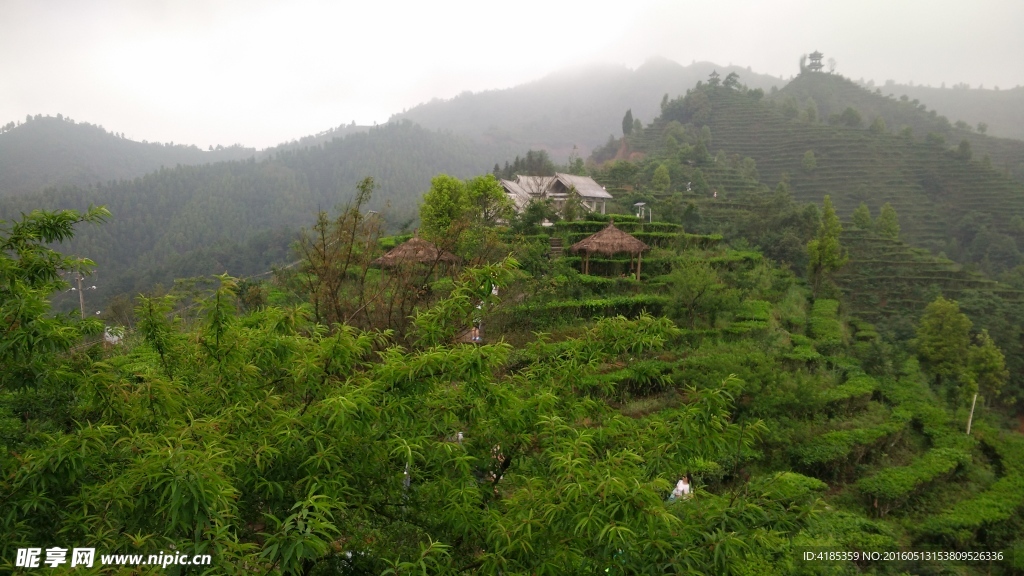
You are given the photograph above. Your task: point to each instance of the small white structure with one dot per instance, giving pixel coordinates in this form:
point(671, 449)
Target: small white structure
point(112, 336)
point(556, 188)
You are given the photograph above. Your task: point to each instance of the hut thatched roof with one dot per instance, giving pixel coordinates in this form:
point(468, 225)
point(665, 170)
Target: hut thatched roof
point(609, 241)
point(414, 250)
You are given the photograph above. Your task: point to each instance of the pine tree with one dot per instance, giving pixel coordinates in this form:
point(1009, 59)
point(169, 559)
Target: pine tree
point(943, 338)
point(627, 123)
point(810, 162)
point(824, 251)
point(888, 223)
point(862, 217)
point(661, 179)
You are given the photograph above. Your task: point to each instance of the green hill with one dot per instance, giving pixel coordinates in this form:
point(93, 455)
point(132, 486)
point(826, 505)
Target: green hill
point(832, 95)
point(947, 200)
point(48, 151)
point(195, 220)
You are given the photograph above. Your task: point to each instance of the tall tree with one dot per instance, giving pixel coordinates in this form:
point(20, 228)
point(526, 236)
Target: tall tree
point(37, 392)
point(986, 367)
point(661, 179)
point(627, 123)
point(888, 222)
point(809, 162)
point(824, 252)
point(943, 339)
point(862, 217)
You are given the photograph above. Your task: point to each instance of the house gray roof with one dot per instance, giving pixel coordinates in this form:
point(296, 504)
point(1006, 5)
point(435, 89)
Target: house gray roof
point(584, 185)
point(525, 188)
point(520, 197)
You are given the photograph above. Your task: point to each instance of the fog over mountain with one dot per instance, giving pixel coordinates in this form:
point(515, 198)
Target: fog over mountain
point(260, 73)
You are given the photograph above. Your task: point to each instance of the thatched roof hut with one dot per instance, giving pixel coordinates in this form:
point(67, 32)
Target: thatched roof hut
point(609, 241)
point(415, 250)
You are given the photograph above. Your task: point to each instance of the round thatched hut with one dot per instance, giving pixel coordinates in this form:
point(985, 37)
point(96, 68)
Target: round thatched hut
point(415, 250)
point(610, 241)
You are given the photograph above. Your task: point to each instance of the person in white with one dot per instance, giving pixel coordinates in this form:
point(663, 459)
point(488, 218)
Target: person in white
point(682, 489)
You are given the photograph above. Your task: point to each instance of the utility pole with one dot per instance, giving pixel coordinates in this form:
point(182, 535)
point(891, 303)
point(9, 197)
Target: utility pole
point(81, 297)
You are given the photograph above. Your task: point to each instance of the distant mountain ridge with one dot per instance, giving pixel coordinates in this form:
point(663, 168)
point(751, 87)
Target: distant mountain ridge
point(51, 151)
point(195, 220)
point(577, 107)
point(833, 94)
point(1002, 110)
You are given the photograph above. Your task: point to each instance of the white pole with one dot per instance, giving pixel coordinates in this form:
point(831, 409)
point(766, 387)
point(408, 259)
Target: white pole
point(971, 417)
point(81, 297)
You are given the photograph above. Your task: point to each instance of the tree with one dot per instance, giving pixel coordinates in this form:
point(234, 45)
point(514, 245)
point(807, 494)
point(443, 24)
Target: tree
point(445, 209)
point(943, 338)
point(699, 183)
point(851, 118)
point(661, 181)
point(37, 388)
point(878, 126)
point(576, 164)
point(695, 290)
point(824, 252)
point(572, 208)
point(490, 204)
point(732, 81)
point(982, 127)
point(986, 367)
point(862, 217)
point(964, 150)
point(888, 222)
point(627, 123)
point(809, 162)
point(811, 109)
point(333, 253)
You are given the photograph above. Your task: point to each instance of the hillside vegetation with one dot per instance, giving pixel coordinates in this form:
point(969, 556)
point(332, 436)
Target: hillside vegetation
point(48, 152)
point(948, 199)
point(240, 426)
point(831, 95)
point(240, 216)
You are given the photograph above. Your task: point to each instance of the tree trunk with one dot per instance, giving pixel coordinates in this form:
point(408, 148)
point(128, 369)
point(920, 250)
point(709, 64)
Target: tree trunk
point(971, 417)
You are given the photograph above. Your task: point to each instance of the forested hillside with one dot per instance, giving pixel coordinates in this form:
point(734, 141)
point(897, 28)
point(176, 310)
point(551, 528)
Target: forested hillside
point(578, 107)
point(826, 97)
point(47, 151)
point(714, 413)
point(240, 216)
point(887, 280)
point(949, 200)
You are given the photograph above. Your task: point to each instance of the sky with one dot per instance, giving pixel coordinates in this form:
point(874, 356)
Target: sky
point(259, 73)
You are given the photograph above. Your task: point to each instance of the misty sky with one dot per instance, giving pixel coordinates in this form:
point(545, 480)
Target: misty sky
point(259, 73)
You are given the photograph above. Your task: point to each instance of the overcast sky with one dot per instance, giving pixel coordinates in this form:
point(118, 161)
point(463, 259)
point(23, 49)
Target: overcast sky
point(259, 73)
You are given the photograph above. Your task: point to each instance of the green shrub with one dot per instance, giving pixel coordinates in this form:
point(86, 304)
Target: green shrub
point(853, 393)
point(825, 326)
point(892, 486)
point(794, 487)
point(959, 526)
point(553, 313)
point(756, 310)
point(839, 447)
point(746, 327)
point(803, 353)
